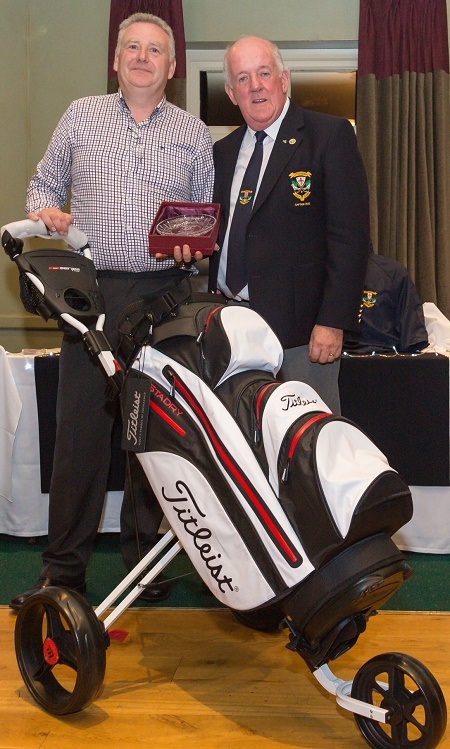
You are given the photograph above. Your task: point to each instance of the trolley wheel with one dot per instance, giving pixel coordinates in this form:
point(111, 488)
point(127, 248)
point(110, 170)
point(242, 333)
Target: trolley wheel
point(405, 687)
point(61, 650)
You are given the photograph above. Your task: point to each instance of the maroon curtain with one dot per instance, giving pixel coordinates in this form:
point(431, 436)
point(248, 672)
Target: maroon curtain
point(402, 35)
point(403, 131)
point(171, 11)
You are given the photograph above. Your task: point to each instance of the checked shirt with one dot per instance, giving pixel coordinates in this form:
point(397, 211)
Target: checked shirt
point(118, 172)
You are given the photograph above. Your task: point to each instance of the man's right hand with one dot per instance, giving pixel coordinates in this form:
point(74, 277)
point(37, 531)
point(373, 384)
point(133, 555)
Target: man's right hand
point(54, 219)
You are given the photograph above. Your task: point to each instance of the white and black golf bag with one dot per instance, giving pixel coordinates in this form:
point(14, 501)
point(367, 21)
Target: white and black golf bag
point(285, 510)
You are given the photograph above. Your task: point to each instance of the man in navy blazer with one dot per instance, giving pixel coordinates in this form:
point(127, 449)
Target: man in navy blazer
point(307, 241)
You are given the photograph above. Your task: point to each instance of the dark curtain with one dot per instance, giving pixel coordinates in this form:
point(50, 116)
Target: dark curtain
point(403, 130)
point(171, 11)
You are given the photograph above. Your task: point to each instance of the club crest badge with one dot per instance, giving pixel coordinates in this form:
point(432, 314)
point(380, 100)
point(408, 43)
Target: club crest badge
point(301, 184)
point(369, 298)
point(245, 196)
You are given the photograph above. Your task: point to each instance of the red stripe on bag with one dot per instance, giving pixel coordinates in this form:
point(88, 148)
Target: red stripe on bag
point(167, 418)
point(259, 399)
point(208, 319)
point(302, 430)
point(238, 476)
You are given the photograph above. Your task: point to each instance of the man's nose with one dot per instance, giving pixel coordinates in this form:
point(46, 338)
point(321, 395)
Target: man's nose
point(142, 54)
point(255, 83)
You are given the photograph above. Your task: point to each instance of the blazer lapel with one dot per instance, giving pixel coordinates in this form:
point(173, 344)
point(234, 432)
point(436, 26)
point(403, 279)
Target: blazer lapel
point(288, 140)
point(228, 165)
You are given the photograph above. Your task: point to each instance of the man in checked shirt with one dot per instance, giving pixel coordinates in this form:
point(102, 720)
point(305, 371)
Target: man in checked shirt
point(121, 155)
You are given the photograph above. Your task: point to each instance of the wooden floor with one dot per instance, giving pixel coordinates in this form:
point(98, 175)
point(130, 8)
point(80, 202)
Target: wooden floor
point(191, 679)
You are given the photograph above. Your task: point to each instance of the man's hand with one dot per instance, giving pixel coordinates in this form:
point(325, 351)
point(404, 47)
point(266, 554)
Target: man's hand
point(325, 344)
point(180, 255)
point(54, 219)
point(184, 255)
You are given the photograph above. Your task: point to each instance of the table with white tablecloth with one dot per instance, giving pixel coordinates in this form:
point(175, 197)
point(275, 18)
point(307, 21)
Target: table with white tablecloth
point(23, 506)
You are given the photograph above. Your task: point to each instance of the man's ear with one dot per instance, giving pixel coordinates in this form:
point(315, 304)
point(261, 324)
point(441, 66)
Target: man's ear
point(285, 80)
point(230, 93)
point(116, 62)
point(172, 67)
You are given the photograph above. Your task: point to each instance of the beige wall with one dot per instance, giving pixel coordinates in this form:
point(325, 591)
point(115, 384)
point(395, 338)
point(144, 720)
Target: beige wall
point(53, 51)
point(13, 141)
point(283, 20)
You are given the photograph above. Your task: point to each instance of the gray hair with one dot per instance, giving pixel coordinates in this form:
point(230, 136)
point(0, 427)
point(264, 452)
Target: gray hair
point(147, 18)
point(276, 53)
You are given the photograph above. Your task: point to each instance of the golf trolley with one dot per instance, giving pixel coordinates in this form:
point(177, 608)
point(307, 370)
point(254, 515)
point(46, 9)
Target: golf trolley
point(285, 510)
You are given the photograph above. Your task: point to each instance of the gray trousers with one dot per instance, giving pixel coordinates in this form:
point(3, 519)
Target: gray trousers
point(322, 377)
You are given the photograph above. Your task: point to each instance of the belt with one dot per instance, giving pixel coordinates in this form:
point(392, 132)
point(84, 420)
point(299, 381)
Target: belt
point(166, 273)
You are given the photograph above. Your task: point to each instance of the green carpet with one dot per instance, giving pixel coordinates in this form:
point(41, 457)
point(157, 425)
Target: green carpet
point(20, 565)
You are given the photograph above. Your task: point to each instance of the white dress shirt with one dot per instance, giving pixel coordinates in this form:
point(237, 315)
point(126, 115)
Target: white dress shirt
point(245, 153)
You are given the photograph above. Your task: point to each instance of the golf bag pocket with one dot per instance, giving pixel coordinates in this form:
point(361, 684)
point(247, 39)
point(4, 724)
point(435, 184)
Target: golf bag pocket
point(215, 341)
point(245, 395)
point(333, 483)
point(277, 415)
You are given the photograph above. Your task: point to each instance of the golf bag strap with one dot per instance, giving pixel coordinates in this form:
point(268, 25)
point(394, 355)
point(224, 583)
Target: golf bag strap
point(138, 319)
point(160, 307)
point(185, 322)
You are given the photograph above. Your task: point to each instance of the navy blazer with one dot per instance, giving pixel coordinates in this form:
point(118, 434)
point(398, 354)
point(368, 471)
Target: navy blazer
point(308, 236)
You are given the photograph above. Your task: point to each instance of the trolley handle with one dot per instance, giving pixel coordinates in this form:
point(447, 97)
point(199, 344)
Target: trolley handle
point(28, 228)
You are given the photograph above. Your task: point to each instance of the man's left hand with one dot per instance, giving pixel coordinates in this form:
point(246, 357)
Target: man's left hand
point(325, 345)
point(181, 255)
point(184, 255)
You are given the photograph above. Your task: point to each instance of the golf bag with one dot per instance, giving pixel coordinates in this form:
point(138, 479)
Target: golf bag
point(285, 510)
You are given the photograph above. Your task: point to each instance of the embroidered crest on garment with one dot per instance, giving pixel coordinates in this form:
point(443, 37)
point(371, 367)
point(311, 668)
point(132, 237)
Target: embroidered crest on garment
point(369, 298)
point(245, 196)
point(301, 184)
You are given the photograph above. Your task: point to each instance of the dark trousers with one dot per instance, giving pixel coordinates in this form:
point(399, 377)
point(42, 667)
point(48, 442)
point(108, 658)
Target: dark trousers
point(82, 456)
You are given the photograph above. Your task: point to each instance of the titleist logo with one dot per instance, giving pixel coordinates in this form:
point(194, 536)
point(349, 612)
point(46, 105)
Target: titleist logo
point(192, 519)
point(290, 401)
point(133, 417)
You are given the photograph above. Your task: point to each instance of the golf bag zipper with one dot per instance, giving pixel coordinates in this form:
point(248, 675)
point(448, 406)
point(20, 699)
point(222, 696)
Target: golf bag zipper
point(299, 433)
point(200, 337)
point(258, 411)
point(204, 329)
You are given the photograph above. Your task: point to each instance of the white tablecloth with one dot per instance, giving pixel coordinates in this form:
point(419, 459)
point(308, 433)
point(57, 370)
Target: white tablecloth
point(23, 509)
point(11, 406)
point(429, 530)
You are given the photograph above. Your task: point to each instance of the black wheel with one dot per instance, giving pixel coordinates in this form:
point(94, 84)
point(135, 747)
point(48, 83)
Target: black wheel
point(61, 650)
point(405, 687)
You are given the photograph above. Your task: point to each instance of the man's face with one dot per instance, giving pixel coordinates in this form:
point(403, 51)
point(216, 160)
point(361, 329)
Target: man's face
point(143, 59)
point(255, 82)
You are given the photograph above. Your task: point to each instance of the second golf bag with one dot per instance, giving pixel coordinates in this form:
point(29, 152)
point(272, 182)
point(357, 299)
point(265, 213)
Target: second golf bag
point(285, 510)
